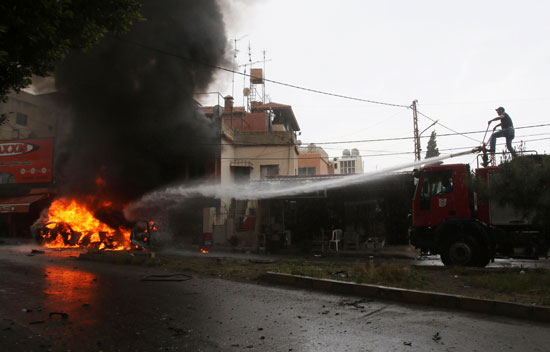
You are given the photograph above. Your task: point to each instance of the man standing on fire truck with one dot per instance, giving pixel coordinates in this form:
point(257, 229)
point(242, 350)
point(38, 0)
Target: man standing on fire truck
point(506, 130)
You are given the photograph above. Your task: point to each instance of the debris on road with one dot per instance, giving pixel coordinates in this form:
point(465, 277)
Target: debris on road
point(342, 274)
point(168, 277)
point(436, 337)
point(261, 261)
point(62, 315)
point(177, 331)
point(35, 251)
point(357, 303)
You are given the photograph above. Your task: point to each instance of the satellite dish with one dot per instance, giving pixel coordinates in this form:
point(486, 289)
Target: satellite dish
point(246, 92)
point(217, 111)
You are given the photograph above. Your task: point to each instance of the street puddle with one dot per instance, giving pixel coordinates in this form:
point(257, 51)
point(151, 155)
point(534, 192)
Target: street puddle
point(69, 292)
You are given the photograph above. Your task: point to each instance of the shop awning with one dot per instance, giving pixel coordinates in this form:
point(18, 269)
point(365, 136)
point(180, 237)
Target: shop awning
point(19, 204)
point(241, 163)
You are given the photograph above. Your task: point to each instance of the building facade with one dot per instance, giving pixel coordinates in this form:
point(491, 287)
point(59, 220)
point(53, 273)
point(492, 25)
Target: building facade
point(350, 162)
point(313, 160)
point(254, 145)
point(28, 123)
point(26, 116)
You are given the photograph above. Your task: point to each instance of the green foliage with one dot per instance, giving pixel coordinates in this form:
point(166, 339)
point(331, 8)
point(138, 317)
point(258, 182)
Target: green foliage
point(431, 149)
point(36, 34)
point(388, 274)
point(533, 282)
point(525, 183)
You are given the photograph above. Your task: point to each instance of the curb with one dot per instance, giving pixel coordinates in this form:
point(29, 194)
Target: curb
point(440, 300)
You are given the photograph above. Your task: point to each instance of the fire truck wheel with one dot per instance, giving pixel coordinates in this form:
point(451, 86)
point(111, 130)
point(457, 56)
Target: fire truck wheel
point(462, 252)
point(483, 259)
point(445, 258)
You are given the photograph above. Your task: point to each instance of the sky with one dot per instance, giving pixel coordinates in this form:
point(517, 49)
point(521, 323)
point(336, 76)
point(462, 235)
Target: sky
point(460, 60)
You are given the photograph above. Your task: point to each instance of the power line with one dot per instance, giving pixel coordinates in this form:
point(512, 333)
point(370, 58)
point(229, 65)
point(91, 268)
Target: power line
point(372, 155)
point(407, 138)
point(379, 151)
point(369, 140)
point(167, 53)
point(442, 125)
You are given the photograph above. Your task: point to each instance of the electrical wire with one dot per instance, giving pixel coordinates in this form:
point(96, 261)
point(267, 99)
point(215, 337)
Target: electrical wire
point(379, 154)
point(517, 137)
point(374, 139)
point(167, 53)
point(448, 128)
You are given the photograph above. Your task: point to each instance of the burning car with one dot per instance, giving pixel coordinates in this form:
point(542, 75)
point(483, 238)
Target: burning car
point(71, 224)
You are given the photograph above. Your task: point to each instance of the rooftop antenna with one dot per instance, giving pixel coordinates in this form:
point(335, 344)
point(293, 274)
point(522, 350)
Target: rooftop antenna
point(249, 63)
point(235, 52)
point(263, 87)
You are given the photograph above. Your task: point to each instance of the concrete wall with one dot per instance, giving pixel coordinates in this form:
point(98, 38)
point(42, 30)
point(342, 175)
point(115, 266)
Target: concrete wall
point(275, 148)
point(249, 122)
point(318, 161)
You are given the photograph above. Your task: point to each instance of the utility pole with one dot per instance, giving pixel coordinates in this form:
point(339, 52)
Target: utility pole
point(416, 134)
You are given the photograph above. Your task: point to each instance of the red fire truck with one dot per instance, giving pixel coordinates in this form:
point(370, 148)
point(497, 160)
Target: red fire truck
point(464, 226)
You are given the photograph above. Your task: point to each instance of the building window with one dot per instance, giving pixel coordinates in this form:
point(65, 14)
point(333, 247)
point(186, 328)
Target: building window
point(303, 171)
point(269, 171)
point(347, 167)
point(240, 174)
point(21, 119)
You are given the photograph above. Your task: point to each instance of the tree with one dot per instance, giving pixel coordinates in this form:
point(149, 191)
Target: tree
point(36, 34)
point(431, 149)
point(524, 182)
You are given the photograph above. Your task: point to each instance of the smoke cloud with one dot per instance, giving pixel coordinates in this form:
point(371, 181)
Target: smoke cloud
point(135, 125)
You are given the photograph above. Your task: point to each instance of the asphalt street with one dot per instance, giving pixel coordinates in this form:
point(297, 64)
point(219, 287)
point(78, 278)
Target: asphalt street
point(52, 301)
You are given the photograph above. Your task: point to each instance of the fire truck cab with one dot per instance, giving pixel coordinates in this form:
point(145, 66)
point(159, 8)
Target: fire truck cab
point(449, 218)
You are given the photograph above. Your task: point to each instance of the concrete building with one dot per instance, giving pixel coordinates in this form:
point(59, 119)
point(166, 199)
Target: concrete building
point(349, 163)
point(26, 178)
point(313, 160)
point(25, 116)
point(256, 144)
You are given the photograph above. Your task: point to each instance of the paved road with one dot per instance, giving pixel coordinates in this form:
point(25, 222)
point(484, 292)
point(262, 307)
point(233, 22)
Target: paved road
point(109, 308)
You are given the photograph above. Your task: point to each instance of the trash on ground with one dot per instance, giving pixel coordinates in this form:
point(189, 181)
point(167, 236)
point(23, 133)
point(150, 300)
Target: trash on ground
point(342, 274)
point(37, 322)
point(168, 277)
point(62, 315)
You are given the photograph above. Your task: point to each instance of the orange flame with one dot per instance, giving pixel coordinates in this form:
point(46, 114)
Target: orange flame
point(203, 251)
point(68, 218)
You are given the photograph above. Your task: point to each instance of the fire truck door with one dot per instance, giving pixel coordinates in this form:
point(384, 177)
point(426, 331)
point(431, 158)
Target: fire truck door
point(436, 198)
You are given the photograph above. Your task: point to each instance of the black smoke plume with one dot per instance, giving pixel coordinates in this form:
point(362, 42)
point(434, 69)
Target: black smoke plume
point(134, 123)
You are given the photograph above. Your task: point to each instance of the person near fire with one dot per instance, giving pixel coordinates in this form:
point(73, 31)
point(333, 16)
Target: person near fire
point(506, 131)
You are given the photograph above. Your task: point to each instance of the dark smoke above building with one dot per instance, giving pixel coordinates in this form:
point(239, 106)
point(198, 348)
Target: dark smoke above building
point(135, 125)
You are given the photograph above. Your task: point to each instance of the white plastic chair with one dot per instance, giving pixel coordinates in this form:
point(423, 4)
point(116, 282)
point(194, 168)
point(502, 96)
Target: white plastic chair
point(336, 238)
